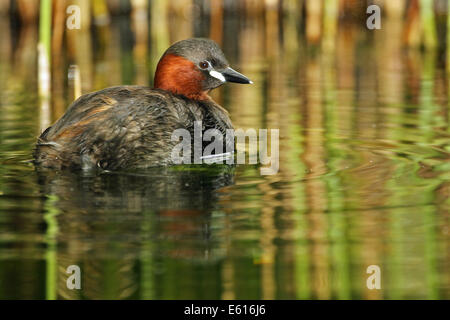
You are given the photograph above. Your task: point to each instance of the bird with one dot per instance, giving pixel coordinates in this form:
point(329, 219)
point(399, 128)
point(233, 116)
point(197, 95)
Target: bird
point(129, 126)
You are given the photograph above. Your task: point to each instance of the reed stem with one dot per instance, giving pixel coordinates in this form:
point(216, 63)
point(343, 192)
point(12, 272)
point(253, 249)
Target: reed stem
point(44, 72)
point(428, 23)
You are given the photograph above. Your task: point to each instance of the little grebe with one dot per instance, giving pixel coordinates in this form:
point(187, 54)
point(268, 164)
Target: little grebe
point(129, 127)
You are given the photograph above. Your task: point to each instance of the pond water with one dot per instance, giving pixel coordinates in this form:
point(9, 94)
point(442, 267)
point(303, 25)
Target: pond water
point(364, 176)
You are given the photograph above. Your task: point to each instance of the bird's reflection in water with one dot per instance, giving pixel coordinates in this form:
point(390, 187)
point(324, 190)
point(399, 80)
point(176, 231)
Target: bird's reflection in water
point(129, 231)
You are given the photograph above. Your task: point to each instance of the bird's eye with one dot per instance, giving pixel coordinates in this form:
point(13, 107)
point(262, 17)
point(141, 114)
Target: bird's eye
point(204, 64)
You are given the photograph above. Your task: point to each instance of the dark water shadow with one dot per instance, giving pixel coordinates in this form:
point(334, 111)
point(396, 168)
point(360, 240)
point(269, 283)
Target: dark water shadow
point(132, 230)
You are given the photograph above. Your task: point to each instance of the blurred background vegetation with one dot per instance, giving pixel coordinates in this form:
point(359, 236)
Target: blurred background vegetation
point(364, 154)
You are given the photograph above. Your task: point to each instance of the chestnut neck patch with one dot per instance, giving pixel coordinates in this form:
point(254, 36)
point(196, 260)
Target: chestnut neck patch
point(180, 76)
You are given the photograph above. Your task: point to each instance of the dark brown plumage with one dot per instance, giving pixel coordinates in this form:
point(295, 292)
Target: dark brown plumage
point(130, 127)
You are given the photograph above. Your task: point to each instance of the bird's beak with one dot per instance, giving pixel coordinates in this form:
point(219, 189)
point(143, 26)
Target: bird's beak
point(231, 75)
